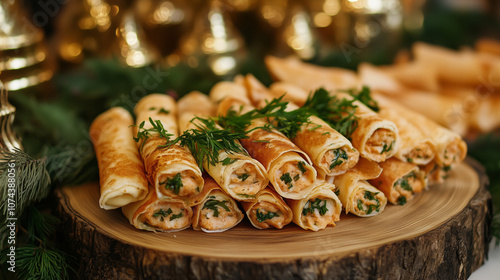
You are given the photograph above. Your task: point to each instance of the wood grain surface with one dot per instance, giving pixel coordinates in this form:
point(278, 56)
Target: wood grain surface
point(245, 247)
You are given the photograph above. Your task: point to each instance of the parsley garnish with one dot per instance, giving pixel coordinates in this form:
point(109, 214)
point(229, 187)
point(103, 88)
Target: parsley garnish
point(302, 167)
point(243, 176)
point(340, 155)
point(287, 179)
point(316, 204)
point(370, 196)
point(410, 160)
point(228, 161)
point(212, 204)
point(162, 214)
point(386, 148)
point(174, 184)
point(372, 207)
point(163, 111)
point(176, 216)
point(401, 200)
point(404, 183)
point(262, 217)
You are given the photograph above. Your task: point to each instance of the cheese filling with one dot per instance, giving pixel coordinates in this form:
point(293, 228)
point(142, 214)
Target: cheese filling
point(319, 213)
point(294, 176)
point(366, 202)
point(246, 180)
point(217, 213)
point(266, 214)
point(381, 141)
point(339, 160)
point(179, 184)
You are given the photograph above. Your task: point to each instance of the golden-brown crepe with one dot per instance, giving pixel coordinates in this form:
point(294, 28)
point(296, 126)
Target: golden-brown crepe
point(239, 175)
point(121, 171)
point(415, 146)
point(399, 180)
point(319, 209)
point(172, 171)
point(217, 211)
point(268, 210)
point(356, 194)
point(159, 214)
point(289, 169)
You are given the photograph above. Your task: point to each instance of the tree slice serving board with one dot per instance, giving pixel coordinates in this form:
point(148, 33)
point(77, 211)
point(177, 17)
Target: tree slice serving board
point(443, 233)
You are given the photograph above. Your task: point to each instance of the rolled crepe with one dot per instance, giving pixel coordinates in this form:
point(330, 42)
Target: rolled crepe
point(375, 138)
point(268, 210)
point(356, 194)
point(399, 180)
point(238, 174)
point(159, 214)
point(415, 145)
point(121, 171)
point(217, 211)
point(172, 171)
point(319, 209)
point(225, 88)
point(289, 169)
point(329, 150)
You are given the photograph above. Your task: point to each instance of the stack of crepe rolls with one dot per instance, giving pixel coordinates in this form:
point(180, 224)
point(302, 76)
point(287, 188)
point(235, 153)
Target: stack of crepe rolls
point(289, 169)
point(399, 180)
point(238, 174)
point(357, 195)
point(172, 171)
point(319, 209)
point(450, 148)
point(217, 211)
point(159, 214)
point(268, 209)
point(330, 152)
point(121, 171)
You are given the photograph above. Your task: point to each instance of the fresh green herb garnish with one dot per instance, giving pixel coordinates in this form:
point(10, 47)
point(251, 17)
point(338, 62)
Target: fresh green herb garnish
point(243, 176)
point(316, 204)
point(302, 167)
point(245, 195)
point(370, 196)
point(337, 192)
point(287, 179)
point(410, 160)
point(360, 205)
point(212, 204)
point(404, 182)
point(262, 217)
point(176, 216)
point(372, 207)
point(401, 200)
point(446, 168)
point(386, 148)
point(364, 97)
point(228, 161)
point(261, 141)
point(174, 184)
point(207, 141)
point(340, 155)
point(162, 214)
point(338, 113)
point(163, 111)
point(296, 177)
point(144, 134)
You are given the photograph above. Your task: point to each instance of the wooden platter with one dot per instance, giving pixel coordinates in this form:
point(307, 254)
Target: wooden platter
point(443, 232)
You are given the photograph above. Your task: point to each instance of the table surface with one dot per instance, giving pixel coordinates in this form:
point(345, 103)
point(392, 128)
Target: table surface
point(491, 269)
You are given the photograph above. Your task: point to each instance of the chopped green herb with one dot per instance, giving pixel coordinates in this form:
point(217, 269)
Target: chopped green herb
point(287, 179)
point(243, 176)
point(386, 148)
point(404, 182)
point(228, 161)
point(401, 200)
point(302, 167)
point(364, 97)
point(265, 216)
point(261, 141)
point(318, 203)
point(144, 134)
point(245, 195)
point(176, 216)
point(337, 192)
point(174, 184)
point(370, 196)
point(152, 108)
point(296, 177)
point(326, 133)
point(162, 214)
point(163, 111)
point(410, 160)
point(340, 155)
point(372, 207)
point(446, 168)
point(212, 204)
point(360, 205)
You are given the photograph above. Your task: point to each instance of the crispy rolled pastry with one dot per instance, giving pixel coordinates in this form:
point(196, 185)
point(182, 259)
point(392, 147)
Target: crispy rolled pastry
point(451, 149)
point(308, 76)
point(329, 150)
point(319, 209)
point(159, 214)
point(121, 171)
point(217, 211)
point(238, 174)
point(356, 194)
point(292, 93)
point(399, 180)
point(289, 169)
point(375, 138)
point(172, 171)
point(225, 88)
point(415, 145)
point(268, 210)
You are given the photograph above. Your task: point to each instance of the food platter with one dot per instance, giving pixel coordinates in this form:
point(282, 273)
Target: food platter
point(441, 220)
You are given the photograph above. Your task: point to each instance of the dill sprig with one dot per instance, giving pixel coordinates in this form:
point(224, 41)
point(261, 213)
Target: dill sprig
point(338, 113)
point(275, 112)
point(364, 97)
point(207, 141)
point(143, 134)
